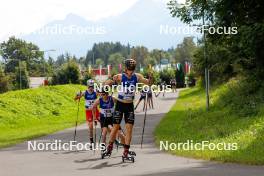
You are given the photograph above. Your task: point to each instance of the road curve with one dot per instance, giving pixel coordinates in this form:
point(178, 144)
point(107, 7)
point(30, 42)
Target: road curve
point(150, 160)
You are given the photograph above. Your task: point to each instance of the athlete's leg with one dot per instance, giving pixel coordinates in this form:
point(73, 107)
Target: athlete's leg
point(137, 103)
point(121, 135)
point(113, 133)
point(144, 106)
point(104, 133)
point(129, 129)
point(89, 120)
point(151, 101)
point(129, 123)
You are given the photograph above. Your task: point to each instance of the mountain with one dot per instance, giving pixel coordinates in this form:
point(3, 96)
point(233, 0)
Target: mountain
point(139, 25)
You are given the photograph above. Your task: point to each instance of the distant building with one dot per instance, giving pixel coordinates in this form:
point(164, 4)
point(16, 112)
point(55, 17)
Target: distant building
point(164, 64)
point(36, 82)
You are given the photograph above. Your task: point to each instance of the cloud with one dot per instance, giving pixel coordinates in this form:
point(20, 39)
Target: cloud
point(24, 16)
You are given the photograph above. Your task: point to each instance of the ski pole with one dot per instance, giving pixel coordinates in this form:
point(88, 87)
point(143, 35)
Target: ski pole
point(102, 130)
point(94, 129)
point(76, 122)
point(143, 130)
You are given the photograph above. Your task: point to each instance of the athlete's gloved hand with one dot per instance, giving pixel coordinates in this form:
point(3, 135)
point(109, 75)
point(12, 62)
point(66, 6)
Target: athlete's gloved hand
point(150, 77)
point(78, 96)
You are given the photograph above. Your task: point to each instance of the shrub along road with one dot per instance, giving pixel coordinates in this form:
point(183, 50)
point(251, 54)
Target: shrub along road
point(150, 160)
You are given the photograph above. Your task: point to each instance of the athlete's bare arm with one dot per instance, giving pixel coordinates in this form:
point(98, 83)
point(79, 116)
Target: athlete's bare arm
point(116, 79)
point(143, 80)
point(114, 99)
point(96, 103)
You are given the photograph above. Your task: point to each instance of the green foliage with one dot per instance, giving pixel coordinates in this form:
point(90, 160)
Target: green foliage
point(68, 73)
point(180, 77)
point(236, 116)
point(166, 75)
point(15, 50)
point(31, 113)
point(4, 82)
point(86, 77)
point(185, 51)
point(99, 62)
point(191, 79)
point(219, 63)
point(21, 80)
point(104, 50)
point(155, 74)
point(228, 54)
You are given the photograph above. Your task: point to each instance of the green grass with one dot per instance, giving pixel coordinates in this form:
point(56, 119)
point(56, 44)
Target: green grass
point(31, 113)
point(236, 116)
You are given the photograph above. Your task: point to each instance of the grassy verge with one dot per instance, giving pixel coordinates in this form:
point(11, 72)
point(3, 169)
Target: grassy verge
point(236, 116)
point(31, 113)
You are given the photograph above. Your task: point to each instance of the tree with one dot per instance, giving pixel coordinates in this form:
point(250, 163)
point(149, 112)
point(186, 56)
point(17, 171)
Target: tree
point(140, 53)
point(166, 75)
point(114, 60)
point(99, 62)
point(244, 18)
point(69, 73)
point(103, 50)
point(4, 81)
point(179, 75)
point(21, 80)
point(15, 50)
point(185, 51)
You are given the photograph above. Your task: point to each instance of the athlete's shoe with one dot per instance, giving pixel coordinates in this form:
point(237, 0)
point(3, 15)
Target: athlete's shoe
point(128, 156)
point(107, 152)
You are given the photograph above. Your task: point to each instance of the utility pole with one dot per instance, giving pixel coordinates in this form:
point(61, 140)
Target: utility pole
point(20, 79)
point(93, 59)
point(160, 60)
point(206, 64)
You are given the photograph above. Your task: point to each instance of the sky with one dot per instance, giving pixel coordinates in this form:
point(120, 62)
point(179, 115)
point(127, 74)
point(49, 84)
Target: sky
point(24, 16)
point(19, 17)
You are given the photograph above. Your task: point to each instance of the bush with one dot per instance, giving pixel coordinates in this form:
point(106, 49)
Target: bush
point(86, 77)
point(166, 75)
point(4, 85)
point(180, 76)
point(156, 75)
point(68, 74)
point(191, 79)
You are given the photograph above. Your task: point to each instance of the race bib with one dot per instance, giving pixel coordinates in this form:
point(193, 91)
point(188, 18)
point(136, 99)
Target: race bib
point(89, 104)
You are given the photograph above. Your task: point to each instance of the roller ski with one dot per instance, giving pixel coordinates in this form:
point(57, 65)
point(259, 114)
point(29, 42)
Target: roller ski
point(128, 156)
point(107, 152)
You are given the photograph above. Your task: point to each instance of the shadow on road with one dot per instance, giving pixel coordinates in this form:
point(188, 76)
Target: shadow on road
point(105, 165)
point(92, 159)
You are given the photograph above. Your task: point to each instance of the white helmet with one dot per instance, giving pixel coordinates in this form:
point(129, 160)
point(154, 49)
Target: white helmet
point(90, 83)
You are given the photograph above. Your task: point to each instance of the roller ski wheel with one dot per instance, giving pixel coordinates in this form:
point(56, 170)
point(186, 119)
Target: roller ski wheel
point(128, 157)
point(107, 152)
point(132, 153)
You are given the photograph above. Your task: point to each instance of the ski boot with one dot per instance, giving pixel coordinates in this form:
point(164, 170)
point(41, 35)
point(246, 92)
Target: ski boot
point(128, 157)
point(132, 153)
point(107, 152)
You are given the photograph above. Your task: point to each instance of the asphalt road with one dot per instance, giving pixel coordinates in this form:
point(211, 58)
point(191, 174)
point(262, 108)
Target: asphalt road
point(19, 161)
